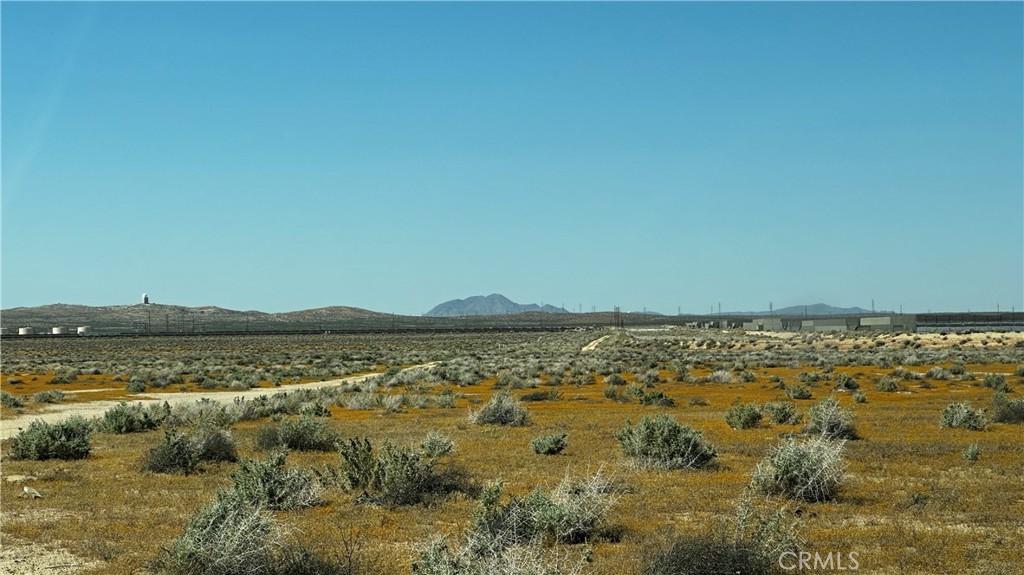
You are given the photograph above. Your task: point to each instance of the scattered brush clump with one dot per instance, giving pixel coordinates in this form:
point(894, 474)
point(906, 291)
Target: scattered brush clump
point(962, 415)
point(743, 416)
point(68, 440)
point(996, 381)
point(657, 398)
point(269, 484)
point(846, 382)
point(782, 412)
point(830, 421)
point(394, 475)
point(751, 544)
point(809, 470)
point(888, 383)
point(972, 453)
point(1006, 410)
point(10, 401)
point(550, 444)
point(662, 443)
point(515, 537)
point(502, 409)
point(436, 444)
point(180, 453)
point(305, 433)
point(49, 396)
point(133, 418)
point(798, 392)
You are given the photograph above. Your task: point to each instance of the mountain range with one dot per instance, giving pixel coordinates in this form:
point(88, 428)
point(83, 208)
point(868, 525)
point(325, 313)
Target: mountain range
point(494, 304)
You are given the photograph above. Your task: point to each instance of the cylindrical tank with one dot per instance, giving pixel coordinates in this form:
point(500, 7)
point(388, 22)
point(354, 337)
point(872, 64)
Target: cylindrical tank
point(24, 331)
point(59, 331)
point(85, 330)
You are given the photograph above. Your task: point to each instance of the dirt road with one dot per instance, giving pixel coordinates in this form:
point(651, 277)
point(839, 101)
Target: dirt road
point(61, 411)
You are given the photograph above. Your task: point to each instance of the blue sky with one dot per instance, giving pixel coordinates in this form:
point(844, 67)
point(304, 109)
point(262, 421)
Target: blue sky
point(282, 156)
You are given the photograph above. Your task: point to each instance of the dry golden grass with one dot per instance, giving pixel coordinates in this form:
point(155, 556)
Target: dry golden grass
point(912, 504)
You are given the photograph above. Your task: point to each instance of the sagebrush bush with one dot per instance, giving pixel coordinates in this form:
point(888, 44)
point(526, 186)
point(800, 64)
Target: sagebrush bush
point(782, 412)
point(750, 544)
point(571, 513)
point(661, 442)
point(972, 452)
point(268, 483)
point(888, 383)
point(231, 536)
point(68, 439)
point(810, 470)
point(549, 444)
point(847, 382)
point(214, 444)
point(49, 396)
point(962, 415)
point(133, 418)
point(176, 454)
point(502, 409)
point(720, 376)
point(996, 381)
point(436, 444)
point(798, 392)
point(1006, 410)
point(305, 433)
point(393, 475)
point(859, 397)
point(743, 416)
point(831, 421)
point(657, 398)
point(10, 401)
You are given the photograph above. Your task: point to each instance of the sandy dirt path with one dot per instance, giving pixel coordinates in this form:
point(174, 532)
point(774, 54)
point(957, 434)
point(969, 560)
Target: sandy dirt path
point(593, 345)
point(61, 411)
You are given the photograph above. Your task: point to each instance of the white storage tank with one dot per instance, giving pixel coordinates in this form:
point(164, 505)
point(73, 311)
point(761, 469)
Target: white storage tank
point(24, 331)
point(85, 330)
point(5, 331)
point(59, 331)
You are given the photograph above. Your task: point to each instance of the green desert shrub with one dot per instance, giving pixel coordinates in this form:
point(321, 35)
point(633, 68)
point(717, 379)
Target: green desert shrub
point(549, 395)
point(782, 412)
point(436, 444)
point(830, 421)
point(657, 398)
point(231, 536)
point(972, 452)
point(809, 470)
point(305, 433)
point(720, 376)
point(393, 475)
point(1019, 372)
point(798, 392)
point(570, 513)
point(661, 442)
point(268, 483)
point(134, 417)
point(1006, 410)
point(212, 443)
point(743, 416)
point(962, 415)
point(888, 383)
point(549, 444)
point(996, 381)
point(68, 439)
point(847, 382)
point(175, 454)
point(502, 409)
point(750, 543)
point(135, 386)
point(10, 401)
point(49, 396)
point(859, 397)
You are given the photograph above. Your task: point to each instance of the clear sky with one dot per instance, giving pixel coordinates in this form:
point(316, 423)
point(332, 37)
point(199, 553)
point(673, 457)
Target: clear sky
point(281, 156)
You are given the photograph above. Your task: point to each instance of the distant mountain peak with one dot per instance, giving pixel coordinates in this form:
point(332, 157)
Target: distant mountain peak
point(494, 304)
